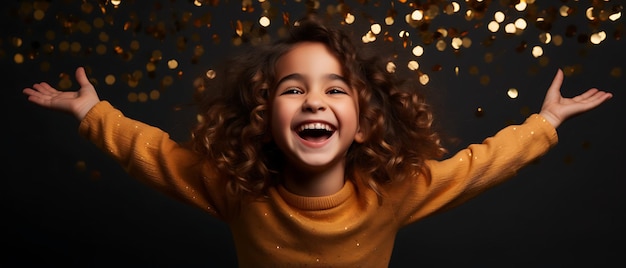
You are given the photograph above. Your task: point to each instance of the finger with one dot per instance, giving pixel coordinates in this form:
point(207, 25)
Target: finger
point(81, 77)
point(586, 95)
point(599, 97)
point(37, 98)
point(594, 94)
point(30, 92)
point(595, 100)
point(45, 88)
point(554, 91)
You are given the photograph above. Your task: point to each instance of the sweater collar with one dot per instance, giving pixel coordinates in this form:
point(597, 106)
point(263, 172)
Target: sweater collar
point(318, 202)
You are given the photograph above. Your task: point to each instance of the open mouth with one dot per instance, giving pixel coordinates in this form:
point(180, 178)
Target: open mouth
point(315, 131)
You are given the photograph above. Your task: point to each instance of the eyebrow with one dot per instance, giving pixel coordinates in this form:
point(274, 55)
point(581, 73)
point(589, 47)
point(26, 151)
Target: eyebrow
point(300, 78)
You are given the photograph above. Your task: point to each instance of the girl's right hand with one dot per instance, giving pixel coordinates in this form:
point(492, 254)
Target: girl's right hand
point(77, 103)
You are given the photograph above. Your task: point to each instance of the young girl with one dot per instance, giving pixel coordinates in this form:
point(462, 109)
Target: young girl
point(313, 154)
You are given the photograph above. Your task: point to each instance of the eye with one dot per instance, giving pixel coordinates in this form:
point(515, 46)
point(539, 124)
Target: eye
point(336, 90)
point(291, 90)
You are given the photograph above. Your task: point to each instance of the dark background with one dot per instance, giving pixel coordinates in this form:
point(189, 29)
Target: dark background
point(64, 203)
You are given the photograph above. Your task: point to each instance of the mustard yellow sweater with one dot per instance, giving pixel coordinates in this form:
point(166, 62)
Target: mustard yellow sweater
point(350, 228)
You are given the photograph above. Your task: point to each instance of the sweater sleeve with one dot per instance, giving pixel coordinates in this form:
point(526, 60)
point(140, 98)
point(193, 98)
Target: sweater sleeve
point(473, 170)
point(148, 154)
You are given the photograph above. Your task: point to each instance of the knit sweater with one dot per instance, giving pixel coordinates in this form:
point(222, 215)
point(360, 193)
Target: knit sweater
point(354, 227)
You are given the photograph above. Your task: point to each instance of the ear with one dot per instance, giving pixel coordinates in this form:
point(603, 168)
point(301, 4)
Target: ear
point(359, 136)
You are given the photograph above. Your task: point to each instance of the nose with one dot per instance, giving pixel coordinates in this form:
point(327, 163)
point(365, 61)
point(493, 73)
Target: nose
point(313, 103)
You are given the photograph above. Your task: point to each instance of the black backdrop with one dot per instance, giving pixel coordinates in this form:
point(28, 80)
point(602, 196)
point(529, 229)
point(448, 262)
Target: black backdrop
point(64, 203)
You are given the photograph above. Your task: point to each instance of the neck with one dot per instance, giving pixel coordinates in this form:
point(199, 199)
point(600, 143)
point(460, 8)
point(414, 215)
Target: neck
point(308, 182)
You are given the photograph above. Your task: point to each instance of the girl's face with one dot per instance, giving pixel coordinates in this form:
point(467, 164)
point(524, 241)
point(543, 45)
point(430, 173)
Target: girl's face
point(314, 114)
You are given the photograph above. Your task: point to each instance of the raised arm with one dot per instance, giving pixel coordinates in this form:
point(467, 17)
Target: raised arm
point(556, 109)
point(77, 103)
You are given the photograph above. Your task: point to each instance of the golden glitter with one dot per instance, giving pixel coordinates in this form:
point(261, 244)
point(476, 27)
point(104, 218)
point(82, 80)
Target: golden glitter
point(264, 21)
point(134, 45)
point(368, 37)
point(132, 83)
point(615, 16)
point(407, 26)
point(564, 11)
point(142, 97)
point(418, 51)
point(488, 57)
point(109, 79)
point(521, 24)
point(389, 20)
point(172, 64)
point(441, 45)
point(597, 38)
point(375, 28)
point(98, 23)
point(75, 47)
point(417, 15)
point(16, 41)
point(537, 51)
point(473, 70)
point(65, 83)
point(466, 42)
point(101, 49)
point(239, 28)
point(424, 79)
point(199, 118)
point(557, 40)
point(510, 28)
point(156, 55)
point(167, 80)
point(442, 32)
point(155, 94)
point(237, 41)
point(499, 17)
point(479, 112)
point(39, 14)
point(391, 67)
point(545, 38)
point(210, 74)
point(349, 18)
point(484, 80)
point(512, 93)
point(103, 36)
point(493, 26)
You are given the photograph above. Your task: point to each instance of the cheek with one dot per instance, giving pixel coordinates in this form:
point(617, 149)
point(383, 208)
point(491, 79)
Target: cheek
point(350, 115)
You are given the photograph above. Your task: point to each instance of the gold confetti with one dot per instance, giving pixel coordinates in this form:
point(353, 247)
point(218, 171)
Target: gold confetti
point(171, 40)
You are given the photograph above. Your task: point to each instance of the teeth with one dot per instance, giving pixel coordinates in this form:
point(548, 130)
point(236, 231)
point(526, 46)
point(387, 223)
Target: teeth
point(320, 126)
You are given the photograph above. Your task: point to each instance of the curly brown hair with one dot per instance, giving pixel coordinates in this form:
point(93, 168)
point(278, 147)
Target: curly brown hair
point(234, 132)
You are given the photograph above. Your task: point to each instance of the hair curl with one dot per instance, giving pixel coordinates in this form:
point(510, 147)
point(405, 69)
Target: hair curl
point(234, 132)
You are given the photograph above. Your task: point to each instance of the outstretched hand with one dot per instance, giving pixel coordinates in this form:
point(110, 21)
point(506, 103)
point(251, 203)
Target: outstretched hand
point(77, 103)
point(557, 109)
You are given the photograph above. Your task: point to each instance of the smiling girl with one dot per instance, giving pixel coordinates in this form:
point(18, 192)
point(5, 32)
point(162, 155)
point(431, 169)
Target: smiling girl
point(312, 154)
